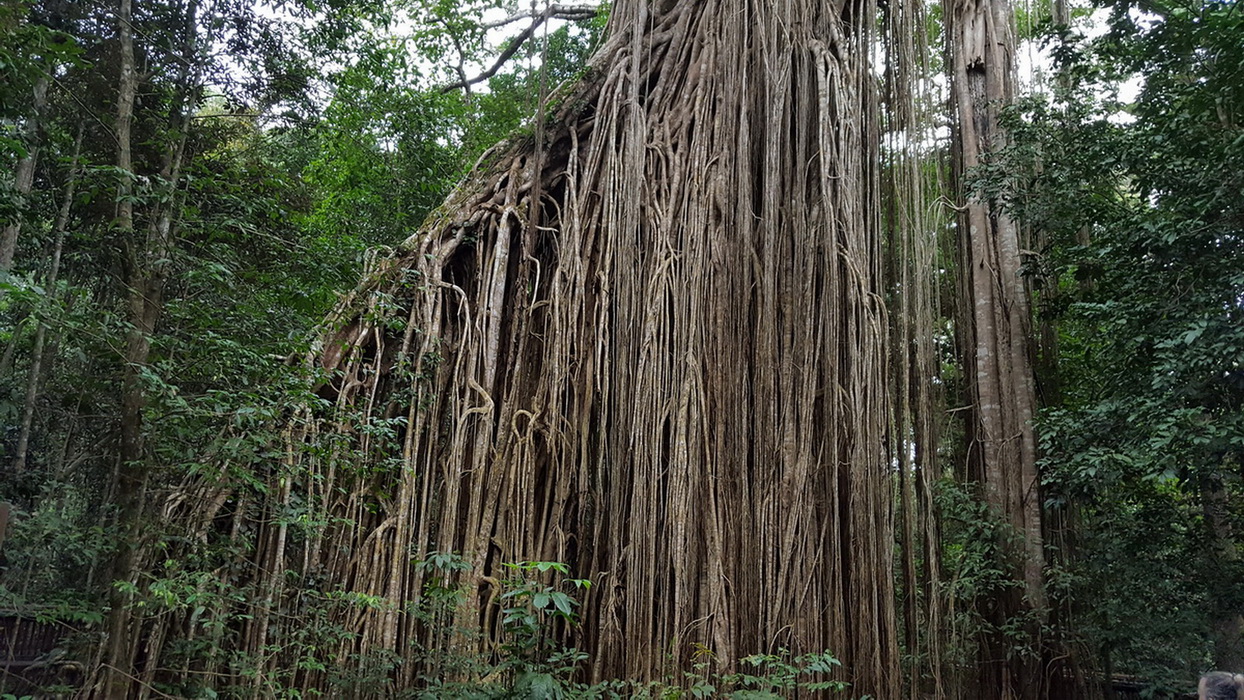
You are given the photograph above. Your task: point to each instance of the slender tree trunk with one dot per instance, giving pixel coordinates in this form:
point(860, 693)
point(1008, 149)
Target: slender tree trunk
point(1227, 626)
point(10, 350)
point(36, 353)
point(147, 258)
point(24, 176)
point(130, 474)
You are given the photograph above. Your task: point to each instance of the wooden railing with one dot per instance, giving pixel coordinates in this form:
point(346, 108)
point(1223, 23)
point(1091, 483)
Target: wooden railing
point(27, 643)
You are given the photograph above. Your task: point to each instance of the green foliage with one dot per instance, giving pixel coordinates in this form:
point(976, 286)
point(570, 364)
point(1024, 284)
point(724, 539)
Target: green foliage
point(777, 675)
point(385, 155)
point(537, 607)
point(977, 550)
point(30, 51)
point(764, 676)
point(534, 602)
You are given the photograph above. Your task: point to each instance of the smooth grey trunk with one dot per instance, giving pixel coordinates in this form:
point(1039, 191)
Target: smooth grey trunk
point(999, 348)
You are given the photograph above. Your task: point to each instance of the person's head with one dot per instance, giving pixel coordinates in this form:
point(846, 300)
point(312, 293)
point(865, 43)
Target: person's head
point(1218, 685)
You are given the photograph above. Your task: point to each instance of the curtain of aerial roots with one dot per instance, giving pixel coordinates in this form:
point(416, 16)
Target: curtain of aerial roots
point(649, 342)
point(912, 187)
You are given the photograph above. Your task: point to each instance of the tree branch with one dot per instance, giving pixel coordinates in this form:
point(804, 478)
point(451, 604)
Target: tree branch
point(566, 12)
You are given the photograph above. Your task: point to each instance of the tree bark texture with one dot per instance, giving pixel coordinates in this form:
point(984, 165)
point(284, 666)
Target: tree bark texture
point(913, 179)
point(995, 327)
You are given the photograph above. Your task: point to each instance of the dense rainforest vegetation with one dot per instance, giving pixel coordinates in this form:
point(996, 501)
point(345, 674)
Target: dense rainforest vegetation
point(731, 348)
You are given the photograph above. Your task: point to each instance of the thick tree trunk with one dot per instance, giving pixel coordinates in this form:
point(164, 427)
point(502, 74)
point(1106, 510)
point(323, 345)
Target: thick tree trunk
point(997, 321)
point(652, 343)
